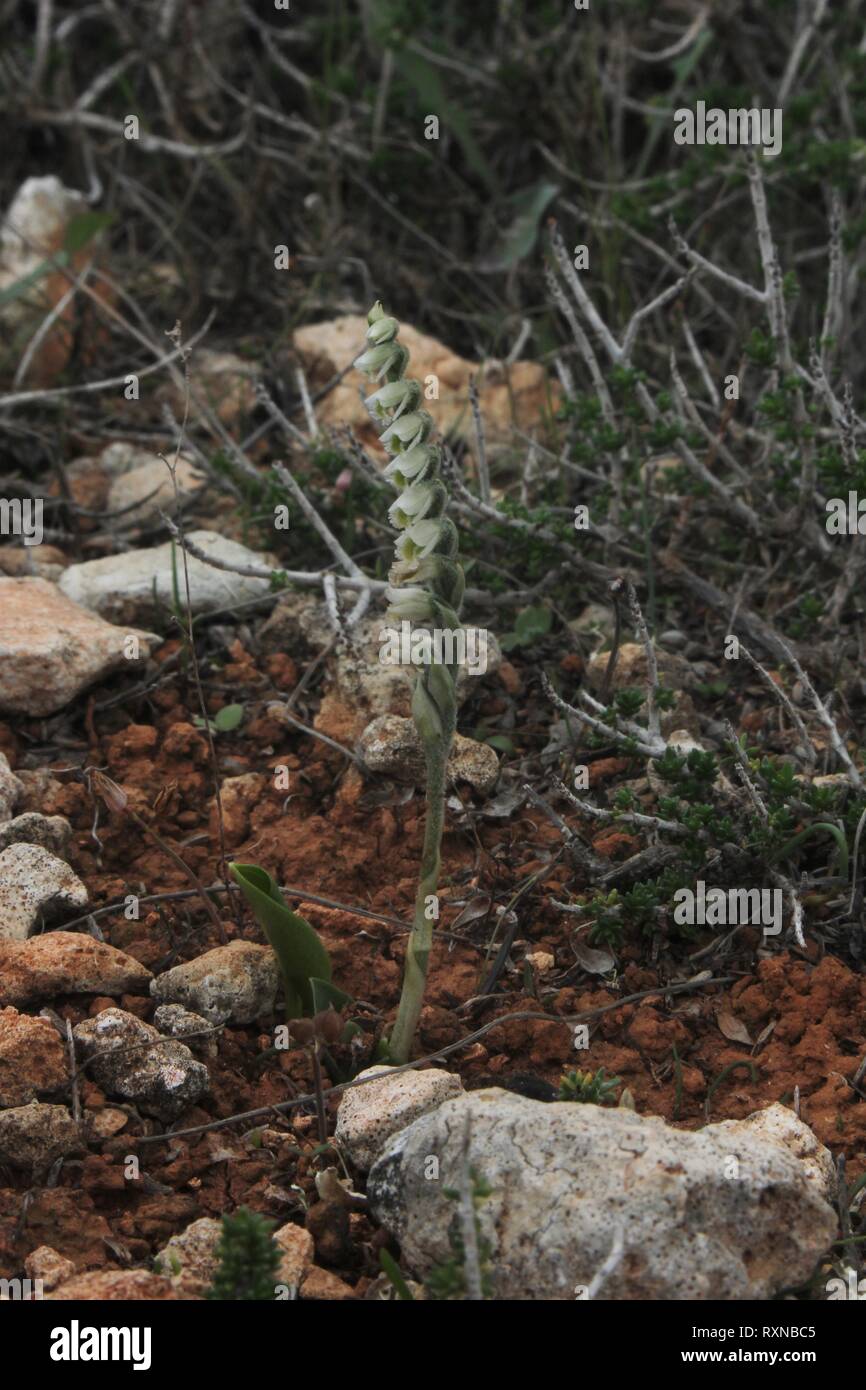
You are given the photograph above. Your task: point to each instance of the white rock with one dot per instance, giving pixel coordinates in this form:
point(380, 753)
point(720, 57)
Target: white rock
point(238, 982)
point(51, 649)
point(33, 881)
point(370, 1115)
point(10, 790)
point(718, 1214)
point(32, 231)
point(780, 1126)
point(121, 587)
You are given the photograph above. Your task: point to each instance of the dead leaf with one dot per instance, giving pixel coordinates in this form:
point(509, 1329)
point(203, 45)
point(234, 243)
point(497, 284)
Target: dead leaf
point(733, 1027)
point(594, 962)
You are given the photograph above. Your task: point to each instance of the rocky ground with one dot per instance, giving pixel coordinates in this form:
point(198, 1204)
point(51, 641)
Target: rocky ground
point(141, 1093)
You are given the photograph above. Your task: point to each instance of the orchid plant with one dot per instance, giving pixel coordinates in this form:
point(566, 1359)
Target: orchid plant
point(426, 588)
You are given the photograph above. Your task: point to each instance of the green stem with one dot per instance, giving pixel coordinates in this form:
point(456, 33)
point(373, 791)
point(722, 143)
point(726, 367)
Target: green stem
point(421, 936)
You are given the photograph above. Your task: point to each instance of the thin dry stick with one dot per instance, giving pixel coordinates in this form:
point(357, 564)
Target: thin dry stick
point(176, 337)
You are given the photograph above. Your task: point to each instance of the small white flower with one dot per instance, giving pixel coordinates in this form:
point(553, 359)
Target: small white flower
point(419, 540)
point(415, 463)
point(412, 505)
point(411, 602)
point(406, 432)
point(376, 361)
point(398, 396)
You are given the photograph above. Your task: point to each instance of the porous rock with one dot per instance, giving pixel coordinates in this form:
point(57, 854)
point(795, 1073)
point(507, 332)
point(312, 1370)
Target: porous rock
point(720, 1213)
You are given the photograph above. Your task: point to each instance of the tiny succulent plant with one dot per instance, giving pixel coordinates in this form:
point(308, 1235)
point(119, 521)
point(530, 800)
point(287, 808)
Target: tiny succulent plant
point(426, 590)
point(583, 1086)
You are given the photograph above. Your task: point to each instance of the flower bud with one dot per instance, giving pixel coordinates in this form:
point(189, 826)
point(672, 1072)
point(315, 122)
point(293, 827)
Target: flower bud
point(386, 357)
point(383, 330)
point(398, 396)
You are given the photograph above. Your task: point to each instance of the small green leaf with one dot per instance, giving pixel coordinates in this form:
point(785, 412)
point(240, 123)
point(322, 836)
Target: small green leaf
point(324, 993)
point(533, 623)
point(83, 228)
point(519, 238)
point(228, 718)
point(501, 743)
point(395, 1274)
point(301, 955)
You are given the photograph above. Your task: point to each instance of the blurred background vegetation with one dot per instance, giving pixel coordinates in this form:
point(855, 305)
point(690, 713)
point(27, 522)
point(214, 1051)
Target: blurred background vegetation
point(542, 109)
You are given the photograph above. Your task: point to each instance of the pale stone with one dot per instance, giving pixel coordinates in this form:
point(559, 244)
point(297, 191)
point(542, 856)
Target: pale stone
point(721, 1213)
point(370, 1114)
point(51, 649)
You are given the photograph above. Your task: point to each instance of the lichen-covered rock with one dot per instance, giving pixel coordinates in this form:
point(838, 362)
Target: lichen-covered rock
point(34, 882)
point(52, 833)
point(51, 648)
point(127, 1057)
point(391, 746)
point(60, 962)
point(371, 1113)
point(174, 1021)
point(32, 1058)
point(49, 1266)
point(360, 686)
point(781, 1126)
point(34, 1136)
point(718, 1214)
point(237, 982)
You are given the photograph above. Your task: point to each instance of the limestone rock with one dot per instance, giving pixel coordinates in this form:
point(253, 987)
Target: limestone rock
point(120, 588)
point(190, 1260)
point(147, 488)
point(61, 962)
point(52, 833)
point(32, 1058)
point(371, 1114)
point(34, 882)
point(33, 1136)
point(391, 746)
point(508, 394)
point(11, 790)
point(722, 1213)
point(237, 982)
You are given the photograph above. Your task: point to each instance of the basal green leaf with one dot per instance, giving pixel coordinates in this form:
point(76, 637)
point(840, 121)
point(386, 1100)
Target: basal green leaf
point(298, 949)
